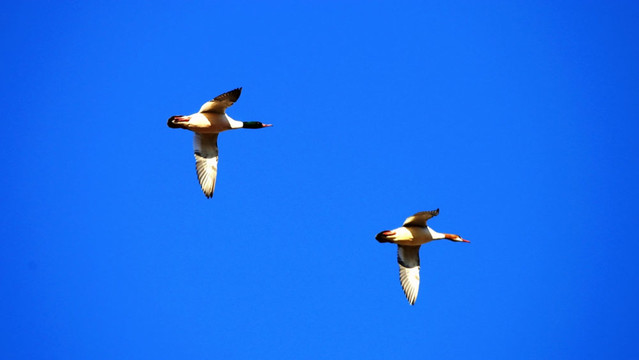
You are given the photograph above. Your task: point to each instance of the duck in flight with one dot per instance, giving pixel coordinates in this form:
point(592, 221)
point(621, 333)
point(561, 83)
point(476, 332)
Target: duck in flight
point(207, 124)
point(409, 237)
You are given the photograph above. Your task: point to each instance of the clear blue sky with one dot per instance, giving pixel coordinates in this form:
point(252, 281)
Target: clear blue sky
point(519, 120)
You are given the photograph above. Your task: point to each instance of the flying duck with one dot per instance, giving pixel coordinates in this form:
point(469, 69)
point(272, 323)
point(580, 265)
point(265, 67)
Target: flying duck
point(409, 237)
point(207, 124)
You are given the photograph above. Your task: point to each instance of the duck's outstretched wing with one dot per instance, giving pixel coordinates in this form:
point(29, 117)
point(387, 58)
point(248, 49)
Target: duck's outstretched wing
point(408, 259)
point(420, 218)
point(221, 102)
point(206, 156)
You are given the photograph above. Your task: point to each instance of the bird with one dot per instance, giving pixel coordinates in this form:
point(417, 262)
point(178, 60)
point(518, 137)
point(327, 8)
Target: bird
point(207, 124)
point(409, 237)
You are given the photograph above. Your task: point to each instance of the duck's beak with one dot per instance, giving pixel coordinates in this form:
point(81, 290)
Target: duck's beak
point(464, 240)
point(267, 125)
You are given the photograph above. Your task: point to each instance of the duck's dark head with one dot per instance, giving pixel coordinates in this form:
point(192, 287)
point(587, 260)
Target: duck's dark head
point(174, 121)
point(254, 125)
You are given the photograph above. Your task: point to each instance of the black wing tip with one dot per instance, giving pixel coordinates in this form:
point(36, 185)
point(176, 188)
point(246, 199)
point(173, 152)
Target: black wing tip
point(237, 91)
point(431, 212)
point(208, 195)
point(411, 302)
point(232, 95)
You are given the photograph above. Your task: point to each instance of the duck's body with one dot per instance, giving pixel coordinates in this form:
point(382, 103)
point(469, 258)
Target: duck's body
point(210, 123)
point(207, 124)
point(409, 237)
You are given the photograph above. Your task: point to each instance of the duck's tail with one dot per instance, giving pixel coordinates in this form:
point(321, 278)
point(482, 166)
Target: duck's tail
point(383, 236)
point(174, 124)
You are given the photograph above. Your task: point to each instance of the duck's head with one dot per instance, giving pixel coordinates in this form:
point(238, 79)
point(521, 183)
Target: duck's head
point(453, 237)
point(254, 125)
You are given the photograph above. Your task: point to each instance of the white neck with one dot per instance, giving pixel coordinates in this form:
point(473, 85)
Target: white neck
point(434, 234)
point(235, 124)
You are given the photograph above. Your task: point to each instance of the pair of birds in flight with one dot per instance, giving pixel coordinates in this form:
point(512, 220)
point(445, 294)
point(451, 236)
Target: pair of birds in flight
point(212, 119)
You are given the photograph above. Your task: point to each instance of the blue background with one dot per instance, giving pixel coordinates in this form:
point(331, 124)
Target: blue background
point(518, 119)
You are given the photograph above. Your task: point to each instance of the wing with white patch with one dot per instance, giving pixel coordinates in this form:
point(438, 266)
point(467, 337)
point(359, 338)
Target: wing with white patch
point(420, 218)
point(408, 259)
point(221, 102)
point(206, 155)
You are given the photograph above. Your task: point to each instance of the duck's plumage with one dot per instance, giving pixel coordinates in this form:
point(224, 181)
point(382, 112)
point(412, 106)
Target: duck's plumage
point(408, 260)
point(207, 124)
point(219, 104)
point(420, 218)
point(205, 151)
point(409, 238)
